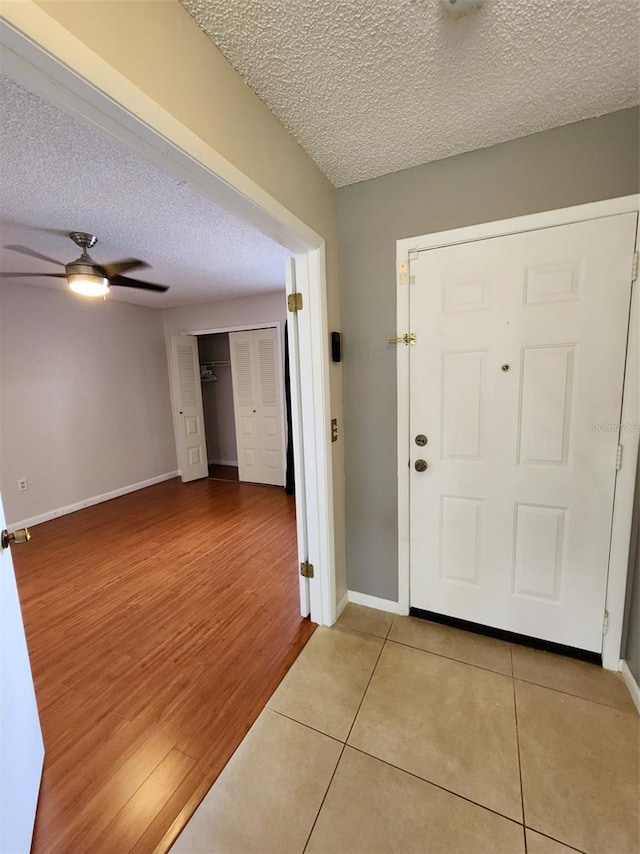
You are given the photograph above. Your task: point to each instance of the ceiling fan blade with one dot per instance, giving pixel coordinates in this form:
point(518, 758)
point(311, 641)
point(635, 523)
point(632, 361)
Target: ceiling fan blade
point(24, 250)
point(126, 282)
point(31, 275)
point(118, 267)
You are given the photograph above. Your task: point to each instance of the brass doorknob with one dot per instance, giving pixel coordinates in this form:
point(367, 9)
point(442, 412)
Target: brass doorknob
point(421, 465)
point(10, 538)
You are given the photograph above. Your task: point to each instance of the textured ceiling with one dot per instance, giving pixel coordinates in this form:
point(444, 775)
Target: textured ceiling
point(370, 86)
point(57, 173)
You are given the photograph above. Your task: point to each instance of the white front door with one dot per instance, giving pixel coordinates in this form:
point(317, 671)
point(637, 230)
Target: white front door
point(21, 747)
point(257, 404)
point(516, 382)
point(186, 395)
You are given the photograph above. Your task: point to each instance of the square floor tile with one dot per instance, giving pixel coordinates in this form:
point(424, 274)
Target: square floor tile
point(574, 677)
point(445, 721)
point(475, 649)
point(324, 687)
point(267, 797)
point(580, 770)
point(372, 808)
point(537, 844)
point(367, 620)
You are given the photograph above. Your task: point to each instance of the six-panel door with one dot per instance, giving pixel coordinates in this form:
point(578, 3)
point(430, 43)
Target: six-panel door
point(516, 380)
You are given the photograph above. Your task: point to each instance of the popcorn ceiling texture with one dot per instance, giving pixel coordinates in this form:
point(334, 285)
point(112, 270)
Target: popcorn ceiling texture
point(370, 86)
point(58, 173)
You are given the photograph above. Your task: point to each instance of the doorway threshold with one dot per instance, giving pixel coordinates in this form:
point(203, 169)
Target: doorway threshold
point(219, 472)
point(511, 637)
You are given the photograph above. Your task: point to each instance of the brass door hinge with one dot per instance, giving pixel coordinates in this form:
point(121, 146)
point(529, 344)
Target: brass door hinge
point(618, 457)
point(294, 302)
point(407, 338)
point(634, 269)
point(605, 623)
point(306, 570)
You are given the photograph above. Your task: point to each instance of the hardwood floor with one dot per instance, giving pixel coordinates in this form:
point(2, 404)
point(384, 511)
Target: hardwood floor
point(158, 625)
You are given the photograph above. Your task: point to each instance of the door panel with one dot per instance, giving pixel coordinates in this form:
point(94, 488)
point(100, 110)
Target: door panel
point(189, 416)
point(257, 400)
point(516, 379)
point(21, 746)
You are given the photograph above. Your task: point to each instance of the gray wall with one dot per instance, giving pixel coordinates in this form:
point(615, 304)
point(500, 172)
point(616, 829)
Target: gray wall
point(583, 162)
point(632, 645)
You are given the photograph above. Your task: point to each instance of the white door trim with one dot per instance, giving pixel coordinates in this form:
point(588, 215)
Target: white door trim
point(297, 418)
point(316, 446)
point(41, 54)
point(244, 328)
point(625, 481)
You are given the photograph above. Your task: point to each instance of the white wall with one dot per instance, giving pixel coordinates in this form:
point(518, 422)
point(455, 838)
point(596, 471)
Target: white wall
point(265, 308)
point(84, 398)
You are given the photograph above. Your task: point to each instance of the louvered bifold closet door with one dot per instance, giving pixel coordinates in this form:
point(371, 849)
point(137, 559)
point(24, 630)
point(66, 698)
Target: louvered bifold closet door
point(257, 395)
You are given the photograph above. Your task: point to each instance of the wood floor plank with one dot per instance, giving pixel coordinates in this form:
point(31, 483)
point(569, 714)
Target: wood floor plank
point(141, 809)
point(158, 624)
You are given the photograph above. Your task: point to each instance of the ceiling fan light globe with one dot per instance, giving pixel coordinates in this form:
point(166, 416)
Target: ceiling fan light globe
point(88, 285)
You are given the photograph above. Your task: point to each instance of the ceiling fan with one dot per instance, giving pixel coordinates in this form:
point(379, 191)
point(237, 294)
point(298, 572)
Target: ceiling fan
point(86, 277)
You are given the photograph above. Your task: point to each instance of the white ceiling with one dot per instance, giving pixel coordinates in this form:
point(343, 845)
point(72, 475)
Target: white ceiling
point(370, 86)
point(56, 173)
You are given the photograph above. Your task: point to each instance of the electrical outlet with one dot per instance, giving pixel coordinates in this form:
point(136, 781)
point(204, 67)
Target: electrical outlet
point(22, 484)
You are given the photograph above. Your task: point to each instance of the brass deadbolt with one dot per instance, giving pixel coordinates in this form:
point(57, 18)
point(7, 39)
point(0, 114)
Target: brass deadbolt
point(10, 538)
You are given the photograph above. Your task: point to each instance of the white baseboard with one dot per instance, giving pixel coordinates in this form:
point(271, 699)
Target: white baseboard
point(342, 604)
point(89, 502)
point(630, 682)
point(223, 463)
point(374, 602)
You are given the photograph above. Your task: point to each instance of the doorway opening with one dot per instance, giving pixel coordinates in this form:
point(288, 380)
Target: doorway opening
point(218, 406)
point(40, 54)
point(243, 404)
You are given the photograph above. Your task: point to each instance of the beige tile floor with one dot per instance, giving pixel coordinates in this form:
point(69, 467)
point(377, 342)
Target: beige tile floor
point(391, 735)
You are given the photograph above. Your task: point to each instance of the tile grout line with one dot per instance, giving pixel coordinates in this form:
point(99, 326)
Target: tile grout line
point(451, 658)
point(364, 693)
point(570, 694)
point(437, 786)
point(344, 747)
point(515, 711)
point(324, 798)
point(559, 841)
point(302, 723)
point(511, 675)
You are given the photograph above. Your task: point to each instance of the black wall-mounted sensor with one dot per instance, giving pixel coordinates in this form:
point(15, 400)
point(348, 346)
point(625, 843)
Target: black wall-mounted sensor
point(336, 351)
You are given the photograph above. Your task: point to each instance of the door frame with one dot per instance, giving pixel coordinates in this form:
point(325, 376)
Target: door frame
point(41, 54)
point(626, 476)
point(247, 327)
